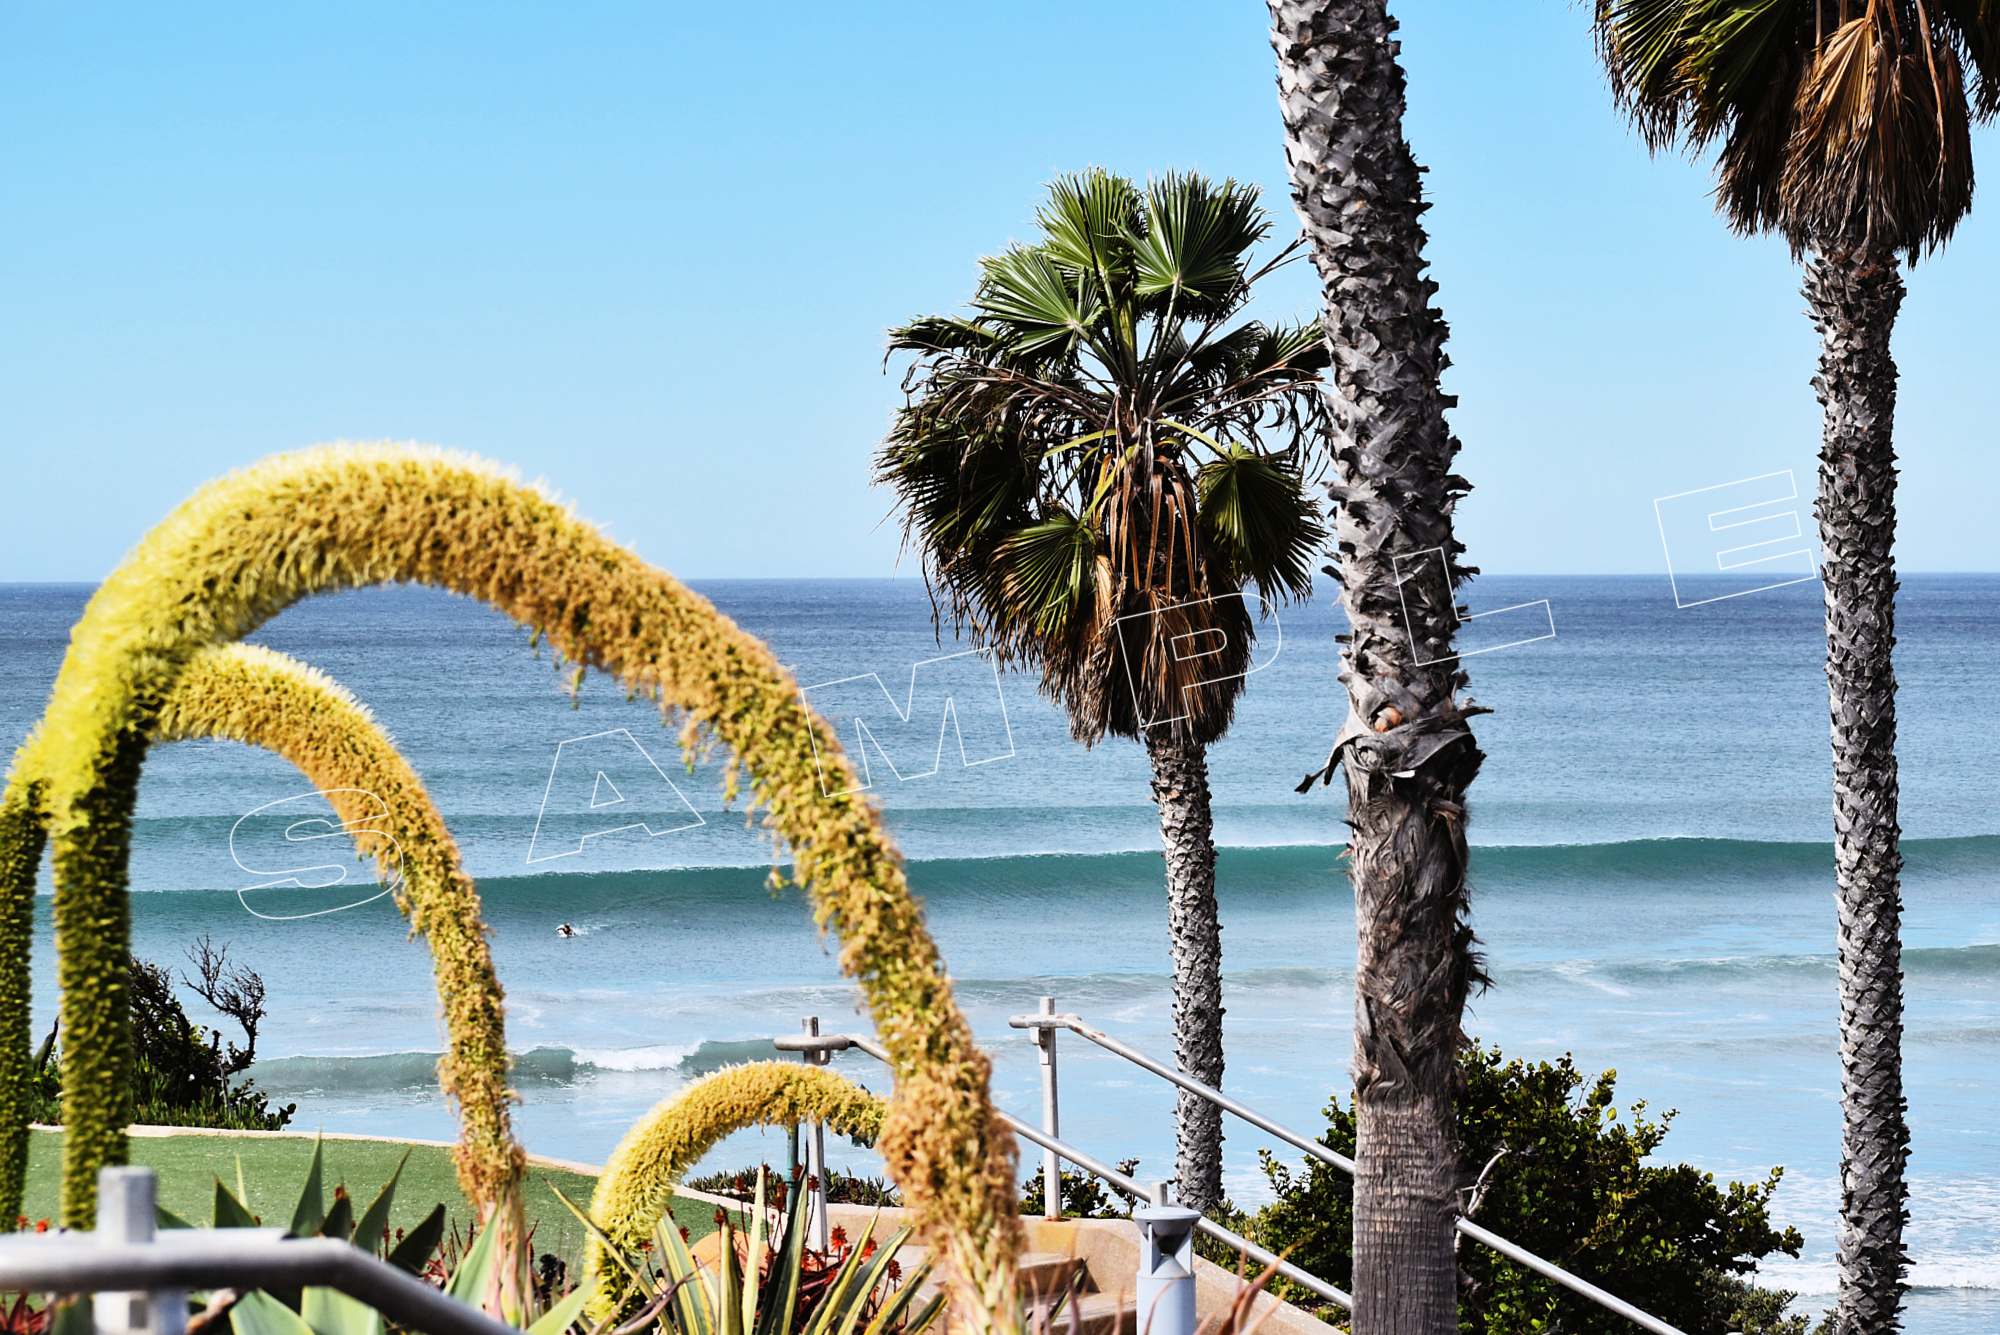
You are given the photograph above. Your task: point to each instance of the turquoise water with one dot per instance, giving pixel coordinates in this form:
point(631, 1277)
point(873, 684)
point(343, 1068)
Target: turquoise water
point(1652, 881)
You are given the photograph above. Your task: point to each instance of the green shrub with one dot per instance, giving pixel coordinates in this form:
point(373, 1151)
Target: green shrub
point(1569, 1184)
point(183, 1075)
point(1083, 1196)
point(841, 1188)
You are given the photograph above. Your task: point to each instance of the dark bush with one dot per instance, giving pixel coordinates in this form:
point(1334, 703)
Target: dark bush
point(841, 1188)
point(1569, 1183)
point(1083, 1196)
point(182, 1075)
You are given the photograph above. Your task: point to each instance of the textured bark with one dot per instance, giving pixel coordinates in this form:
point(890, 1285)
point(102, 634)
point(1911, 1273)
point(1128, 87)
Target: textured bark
point(1406, 749)
point(1187, 836)
point(1853, 293)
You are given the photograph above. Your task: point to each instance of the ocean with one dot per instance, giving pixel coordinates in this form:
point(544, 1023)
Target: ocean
point(1651, 879)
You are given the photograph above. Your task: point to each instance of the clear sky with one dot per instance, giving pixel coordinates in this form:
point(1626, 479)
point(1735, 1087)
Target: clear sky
point(647, 252)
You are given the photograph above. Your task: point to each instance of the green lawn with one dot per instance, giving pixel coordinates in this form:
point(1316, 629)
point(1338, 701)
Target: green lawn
point(274, 1169)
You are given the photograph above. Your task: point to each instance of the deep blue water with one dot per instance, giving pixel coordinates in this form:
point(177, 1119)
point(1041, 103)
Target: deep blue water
point(1652, 877)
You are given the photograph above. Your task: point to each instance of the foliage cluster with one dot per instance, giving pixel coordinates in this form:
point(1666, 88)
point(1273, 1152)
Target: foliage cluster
point(183, 1075)
point(1547, 1161)
point(1099, 442)
point(1083, 1196)
point(841, 1188)
point(1838, 124)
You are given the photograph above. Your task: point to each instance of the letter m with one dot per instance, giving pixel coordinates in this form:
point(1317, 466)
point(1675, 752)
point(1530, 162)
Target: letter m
point(951, 699)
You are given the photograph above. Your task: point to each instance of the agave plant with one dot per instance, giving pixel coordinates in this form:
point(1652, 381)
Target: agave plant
point(787, 1289)
point(323, 1311)
point(350, 516)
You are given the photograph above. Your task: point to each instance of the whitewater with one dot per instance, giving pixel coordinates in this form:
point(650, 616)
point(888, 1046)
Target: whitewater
point(1651, 879)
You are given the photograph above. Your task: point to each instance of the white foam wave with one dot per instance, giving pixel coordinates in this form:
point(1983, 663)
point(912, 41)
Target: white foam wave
point(659, 1057)
point(1818, 1279)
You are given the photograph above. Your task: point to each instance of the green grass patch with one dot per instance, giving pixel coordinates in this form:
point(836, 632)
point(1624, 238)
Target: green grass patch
point(273, 1169)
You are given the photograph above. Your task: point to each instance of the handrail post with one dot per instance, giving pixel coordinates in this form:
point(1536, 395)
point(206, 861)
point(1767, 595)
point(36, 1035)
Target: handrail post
point(816, 1147)
point(126, 1200)
point(1045, 1039)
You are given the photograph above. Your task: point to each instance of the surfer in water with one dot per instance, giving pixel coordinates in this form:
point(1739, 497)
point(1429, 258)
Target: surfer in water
point(565, 930)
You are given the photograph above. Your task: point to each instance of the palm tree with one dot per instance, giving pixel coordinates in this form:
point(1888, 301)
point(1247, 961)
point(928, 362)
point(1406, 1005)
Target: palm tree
point(1094, 465)
point(1406, 747)
point(1845, 127)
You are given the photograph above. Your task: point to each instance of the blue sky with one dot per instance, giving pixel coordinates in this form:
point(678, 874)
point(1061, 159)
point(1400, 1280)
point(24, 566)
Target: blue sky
point(647, 252)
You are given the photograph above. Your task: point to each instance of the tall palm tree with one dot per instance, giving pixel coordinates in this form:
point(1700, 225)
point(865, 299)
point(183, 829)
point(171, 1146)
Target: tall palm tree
point(1094, 464)
point(1845, 127)
point(1406, 748)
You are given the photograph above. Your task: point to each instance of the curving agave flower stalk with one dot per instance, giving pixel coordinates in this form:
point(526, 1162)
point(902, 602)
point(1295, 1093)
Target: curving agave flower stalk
point(638, 1182)
point(244, 548)
point(246, 693)
point(23, 838)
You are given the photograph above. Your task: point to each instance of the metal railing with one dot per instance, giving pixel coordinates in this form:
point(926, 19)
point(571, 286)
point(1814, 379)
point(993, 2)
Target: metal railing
point(814, 1042)
point(1048, 1022)
point(140, 1279)
point(1043, 1027)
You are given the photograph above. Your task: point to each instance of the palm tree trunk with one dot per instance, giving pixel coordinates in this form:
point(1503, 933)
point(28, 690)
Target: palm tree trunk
point(1187, 835)
point(1853, 292)
point(1408, 753)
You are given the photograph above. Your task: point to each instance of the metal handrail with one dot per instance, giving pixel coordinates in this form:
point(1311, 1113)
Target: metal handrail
point(1130, 1186)
point(1608, 1301)
point(238, 1258)
point(1048, 1021)
point(1103, 1040)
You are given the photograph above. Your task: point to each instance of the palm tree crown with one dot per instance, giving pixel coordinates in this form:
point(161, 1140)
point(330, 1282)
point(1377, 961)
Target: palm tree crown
point(1094, 443)
point(1840, 120)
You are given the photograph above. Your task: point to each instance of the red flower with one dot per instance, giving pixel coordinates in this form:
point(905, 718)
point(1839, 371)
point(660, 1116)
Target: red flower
point(839, 1236)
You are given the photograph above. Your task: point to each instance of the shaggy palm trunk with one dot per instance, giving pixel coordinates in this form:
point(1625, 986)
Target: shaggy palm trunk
point(1853, 293)
point(1407, 752)
point(1187, 836)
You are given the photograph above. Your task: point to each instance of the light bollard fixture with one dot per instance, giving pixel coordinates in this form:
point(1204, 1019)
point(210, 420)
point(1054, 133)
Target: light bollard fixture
point(1166, 1266)
point(816, 1145)
point(127, 1199)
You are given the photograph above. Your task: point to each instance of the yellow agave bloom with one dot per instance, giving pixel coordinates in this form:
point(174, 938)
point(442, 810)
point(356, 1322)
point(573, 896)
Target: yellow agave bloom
point(638, 1183)
point(244, 693)
point(243, 549)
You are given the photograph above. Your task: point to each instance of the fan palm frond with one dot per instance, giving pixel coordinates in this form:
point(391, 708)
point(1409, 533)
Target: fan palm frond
point(1840, 122)
point(1262, 521)
point(1197, 237)
point(1047, 458)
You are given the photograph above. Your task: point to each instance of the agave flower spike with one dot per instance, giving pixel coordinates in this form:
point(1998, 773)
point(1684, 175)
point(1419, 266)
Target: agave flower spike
point(243, 549)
